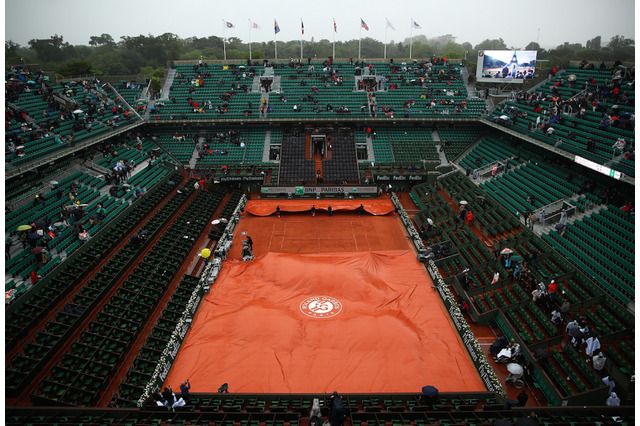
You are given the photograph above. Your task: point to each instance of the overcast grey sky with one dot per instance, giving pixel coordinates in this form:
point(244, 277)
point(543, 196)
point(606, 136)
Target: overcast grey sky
point(517, 22)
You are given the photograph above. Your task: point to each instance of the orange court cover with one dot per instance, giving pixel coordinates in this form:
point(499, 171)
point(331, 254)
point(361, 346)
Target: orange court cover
point(309, 323)
point(265, 207)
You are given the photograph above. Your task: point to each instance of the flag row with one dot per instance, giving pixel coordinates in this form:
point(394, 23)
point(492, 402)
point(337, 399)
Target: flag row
point(276, 27)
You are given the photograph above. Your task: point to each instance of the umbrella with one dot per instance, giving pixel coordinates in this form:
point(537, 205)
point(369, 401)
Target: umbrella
point(480, 197)
point(181, 188)
point(223, 220)
point(430, 391)
point(39, 223)
point(559, 227)
point(78, 111)
point(243, 233)
point(36, 250)
point(504, 117)
point(151, 108)
point(215, 222)
point(514, 368)
point(24, 227)
point(20, 147)
point(517, 258)
point(575, 332)
point(53, 182)
point(541, 353)
point(464, 202)
point(526, 421)
point(34, 236)
point(83, 205)
point(572, 77)
point(31, 82)
point(506, 251)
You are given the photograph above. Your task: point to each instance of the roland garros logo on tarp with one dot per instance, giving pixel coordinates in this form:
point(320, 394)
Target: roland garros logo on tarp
point(321, 307)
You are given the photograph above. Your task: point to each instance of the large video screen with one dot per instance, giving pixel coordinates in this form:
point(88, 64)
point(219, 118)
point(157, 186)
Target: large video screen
point(506, 66)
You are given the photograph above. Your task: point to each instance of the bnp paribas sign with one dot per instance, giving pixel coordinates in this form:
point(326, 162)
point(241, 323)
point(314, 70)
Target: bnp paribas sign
point(306, 190)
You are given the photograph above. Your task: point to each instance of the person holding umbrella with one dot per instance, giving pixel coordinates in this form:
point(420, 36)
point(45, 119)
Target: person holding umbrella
point(541, 355)
point(40, 255)
point(429, 395)
point(338, 414)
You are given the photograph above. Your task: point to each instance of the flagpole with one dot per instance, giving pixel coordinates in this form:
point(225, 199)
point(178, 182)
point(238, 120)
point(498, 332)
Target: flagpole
point(385, 39)
point(249, 21)
point(411, 38)
point(360, 39)
point(334, 39)
point(275, 41)
point(301, 55)
point(224, 40)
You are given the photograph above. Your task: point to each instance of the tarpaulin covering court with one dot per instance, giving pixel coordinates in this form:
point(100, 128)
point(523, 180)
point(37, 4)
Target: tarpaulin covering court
point(265, 207)
point(300, 233)
point(308, 323)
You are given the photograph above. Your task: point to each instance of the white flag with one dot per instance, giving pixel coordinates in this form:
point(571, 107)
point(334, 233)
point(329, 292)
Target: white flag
point(390, 26)
point(415, 24)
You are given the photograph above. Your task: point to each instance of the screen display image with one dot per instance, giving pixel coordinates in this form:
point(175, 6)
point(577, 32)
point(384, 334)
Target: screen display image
point(506, 65)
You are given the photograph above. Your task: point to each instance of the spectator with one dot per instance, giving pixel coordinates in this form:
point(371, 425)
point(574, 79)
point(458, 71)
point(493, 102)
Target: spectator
point(184, 389)
point(599, 361)
point(613, 400)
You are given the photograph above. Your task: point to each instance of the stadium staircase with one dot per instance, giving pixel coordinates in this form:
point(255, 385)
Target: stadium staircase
point(166, 88)
point(196, 154)
point(441, 153)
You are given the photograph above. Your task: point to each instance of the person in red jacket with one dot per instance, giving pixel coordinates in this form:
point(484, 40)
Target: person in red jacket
point(469, 217)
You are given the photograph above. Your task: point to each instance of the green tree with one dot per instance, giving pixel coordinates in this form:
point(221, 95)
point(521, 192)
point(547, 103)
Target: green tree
point(532, 46)
point(621, 48)
point(10, 48)
point(594, 43)
point(102, 40)
point(495, 44)
point(255, 54)
point(49, 49)
point(75, 68)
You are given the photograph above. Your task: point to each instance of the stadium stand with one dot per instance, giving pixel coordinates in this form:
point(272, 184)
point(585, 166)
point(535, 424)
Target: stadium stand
point(580, 106)
point(95, 325)
point(44, 118)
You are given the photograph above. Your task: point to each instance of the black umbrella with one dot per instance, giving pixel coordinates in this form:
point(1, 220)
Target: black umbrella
point(576, 333)
point(430, 391)
point(541, 353)
point(40, 223)
point(526, 421)
point(34, 236)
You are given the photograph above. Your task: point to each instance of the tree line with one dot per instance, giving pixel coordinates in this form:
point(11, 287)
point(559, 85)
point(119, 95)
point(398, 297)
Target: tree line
point(149, 54)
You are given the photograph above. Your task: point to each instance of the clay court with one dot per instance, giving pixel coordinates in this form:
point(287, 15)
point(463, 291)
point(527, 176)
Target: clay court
point(330, 303)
